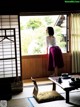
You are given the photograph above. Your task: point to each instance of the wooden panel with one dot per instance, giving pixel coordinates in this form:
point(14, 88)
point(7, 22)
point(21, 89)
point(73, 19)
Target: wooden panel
point(67, 63)
point(37, 66)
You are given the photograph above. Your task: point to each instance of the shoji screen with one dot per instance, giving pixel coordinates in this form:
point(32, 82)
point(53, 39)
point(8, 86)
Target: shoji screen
point(10, 59)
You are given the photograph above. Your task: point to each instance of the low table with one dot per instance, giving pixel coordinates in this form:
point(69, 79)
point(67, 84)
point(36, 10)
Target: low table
point(65, 84)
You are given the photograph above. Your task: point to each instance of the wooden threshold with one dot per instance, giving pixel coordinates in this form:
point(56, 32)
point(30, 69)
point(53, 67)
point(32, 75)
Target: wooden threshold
point(39, 81)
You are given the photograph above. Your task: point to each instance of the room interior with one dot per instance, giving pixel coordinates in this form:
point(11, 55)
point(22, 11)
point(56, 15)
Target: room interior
point(25, 67)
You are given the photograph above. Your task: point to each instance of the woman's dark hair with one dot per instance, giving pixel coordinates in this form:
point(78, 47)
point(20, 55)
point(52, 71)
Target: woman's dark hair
point(50, 30)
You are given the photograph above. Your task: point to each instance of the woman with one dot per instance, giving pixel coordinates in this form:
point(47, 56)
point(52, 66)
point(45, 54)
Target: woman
point(51, 40)
point(54, 52)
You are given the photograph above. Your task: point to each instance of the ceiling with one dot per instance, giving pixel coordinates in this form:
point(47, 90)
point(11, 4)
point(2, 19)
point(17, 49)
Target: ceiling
point(15, 6)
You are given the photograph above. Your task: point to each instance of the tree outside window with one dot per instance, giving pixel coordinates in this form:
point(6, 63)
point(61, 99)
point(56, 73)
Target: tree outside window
point(33, 34)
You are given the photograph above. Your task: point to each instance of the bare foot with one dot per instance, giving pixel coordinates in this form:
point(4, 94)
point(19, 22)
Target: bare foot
point(53, 75)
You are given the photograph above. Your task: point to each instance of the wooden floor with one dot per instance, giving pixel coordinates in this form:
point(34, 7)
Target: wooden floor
point(39, 81)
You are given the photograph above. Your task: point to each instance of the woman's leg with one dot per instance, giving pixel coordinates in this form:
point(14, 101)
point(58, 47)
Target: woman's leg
point(57, 71)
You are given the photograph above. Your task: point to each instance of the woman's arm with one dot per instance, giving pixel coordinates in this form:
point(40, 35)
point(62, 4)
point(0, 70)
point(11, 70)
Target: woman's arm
point(47, 44)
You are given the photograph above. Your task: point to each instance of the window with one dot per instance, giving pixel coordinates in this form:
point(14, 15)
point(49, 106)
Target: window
point(33, 33)
point(9, 46)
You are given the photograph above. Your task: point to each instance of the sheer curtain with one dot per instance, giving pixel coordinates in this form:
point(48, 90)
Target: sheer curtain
point(75, 42)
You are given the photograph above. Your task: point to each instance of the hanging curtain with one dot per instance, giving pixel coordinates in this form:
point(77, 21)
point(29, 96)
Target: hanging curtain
point(75, 42)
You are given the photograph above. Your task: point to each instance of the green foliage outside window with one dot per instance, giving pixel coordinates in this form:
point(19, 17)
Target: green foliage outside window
point(33, 35)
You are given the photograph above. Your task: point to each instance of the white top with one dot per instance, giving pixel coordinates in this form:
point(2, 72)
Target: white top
point(51, 41)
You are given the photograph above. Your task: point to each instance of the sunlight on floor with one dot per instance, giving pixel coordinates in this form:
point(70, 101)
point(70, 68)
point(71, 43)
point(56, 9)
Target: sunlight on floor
point(28, 82)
